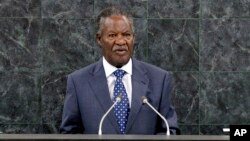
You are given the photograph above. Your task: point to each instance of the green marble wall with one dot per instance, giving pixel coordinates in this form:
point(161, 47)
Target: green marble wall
point(204, 43)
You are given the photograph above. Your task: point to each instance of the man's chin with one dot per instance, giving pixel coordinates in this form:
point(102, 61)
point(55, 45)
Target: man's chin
point(121, 62)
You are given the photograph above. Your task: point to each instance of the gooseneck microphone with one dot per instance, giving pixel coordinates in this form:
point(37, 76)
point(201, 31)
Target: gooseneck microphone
point(117, 100)
point(145, 100)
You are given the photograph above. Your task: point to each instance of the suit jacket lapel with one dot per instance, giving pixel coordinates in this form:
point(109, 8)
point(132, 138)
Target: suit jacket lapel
point(139, 89)
point(98, 82)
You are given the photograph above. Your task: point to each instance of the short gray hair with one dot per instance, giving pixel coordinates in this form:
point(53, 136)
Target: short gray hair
point(112, 11)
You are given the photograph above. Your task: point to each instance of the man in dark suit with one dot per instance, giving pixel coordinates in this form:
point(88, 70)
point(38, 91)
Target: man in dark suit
point(92, 90)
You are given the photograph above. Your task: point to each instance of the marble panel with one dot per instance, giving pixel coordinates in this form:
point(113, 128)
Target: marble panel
point(189, 129)
point(53, 93)
point(19, 69)
point(224, 98)
point(174, 44)
point(20, 128)
point(67, 45)
point(173, 8)
point(185, 97)
point(51, 128)
point(225, 8)
point(141, 39)
point(20, 8)
point(19, 98)
point(19, 44)
point(68, 9)
point(225, 45)
point(213, 129)
point(137, 8)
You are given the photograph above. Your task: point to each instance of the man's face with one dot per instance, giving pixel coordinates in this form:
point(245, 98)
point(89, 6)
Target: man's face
point(116, 40)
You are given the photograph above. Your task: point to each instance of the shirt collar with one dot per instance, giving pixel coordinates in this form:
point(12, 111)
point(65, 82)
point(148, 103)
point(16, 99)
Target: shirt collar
point(109, 69)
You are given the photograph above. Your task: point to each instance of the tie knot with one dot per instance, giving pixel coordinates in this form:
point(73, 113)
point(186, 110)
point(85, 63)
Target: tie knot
point(119, 73)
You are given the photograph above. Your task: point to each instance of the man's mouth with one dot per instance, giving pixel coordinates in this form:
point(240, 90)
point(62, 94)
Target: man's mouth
point(120, 50)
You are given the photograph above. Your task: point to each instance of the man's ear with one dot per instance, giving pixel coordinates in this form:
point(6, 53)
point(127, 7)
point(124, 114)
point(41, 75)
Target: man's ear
point(98, 38)
point(134, 37)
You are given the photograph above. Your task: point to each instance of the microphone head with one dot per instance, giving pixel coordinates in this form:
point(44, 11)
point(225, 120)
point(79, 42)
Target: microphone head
point(144, 99)
point(118, 98)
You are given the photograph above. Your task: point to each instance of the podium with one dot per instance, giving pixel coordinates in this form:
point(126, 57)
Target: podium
point(88, 137)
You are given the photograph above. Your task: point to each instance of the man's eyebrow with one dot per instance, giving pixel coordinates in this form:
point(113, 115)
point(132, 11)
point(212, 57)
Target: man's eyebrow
point(111, 32)
point(128, 32)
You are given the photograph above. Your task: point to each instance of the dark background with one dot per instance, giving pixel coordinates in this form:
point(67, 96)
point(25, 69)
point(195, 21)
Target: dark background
point(205, 44)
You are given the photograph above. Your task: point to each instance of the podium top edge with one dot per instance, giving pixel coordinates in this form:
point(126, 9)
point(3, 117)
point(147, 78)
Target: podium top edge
point(110, 137)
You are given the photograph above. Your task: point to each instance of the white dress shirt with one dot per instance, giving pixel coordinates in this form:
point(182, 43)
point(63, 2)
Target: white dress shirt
point(126, 79)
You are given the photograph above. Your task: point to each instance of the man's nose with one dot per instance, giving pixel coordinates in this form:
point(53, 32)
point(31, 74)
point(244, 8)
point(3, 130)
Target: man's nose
point(120, 40)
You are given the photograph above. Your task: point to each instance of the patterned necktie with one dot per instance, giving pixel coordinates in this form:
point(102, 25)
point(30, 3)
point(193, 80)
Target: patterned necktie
point(121, 108)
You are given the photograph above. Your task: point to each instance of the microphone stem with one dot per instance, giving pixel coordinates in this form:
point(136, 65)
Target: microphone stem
point(168, 133)
point(103, 117)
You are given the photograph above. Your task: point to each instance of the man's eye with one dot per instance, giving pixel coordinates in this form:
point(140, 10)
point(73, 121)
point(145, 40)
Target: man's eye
point(127, 35)
point(111, 35)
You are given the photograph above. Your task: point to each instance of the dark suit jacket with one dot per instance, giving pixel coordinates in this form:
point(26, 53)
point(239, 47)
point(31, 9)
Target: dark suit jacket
point(88, 98)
